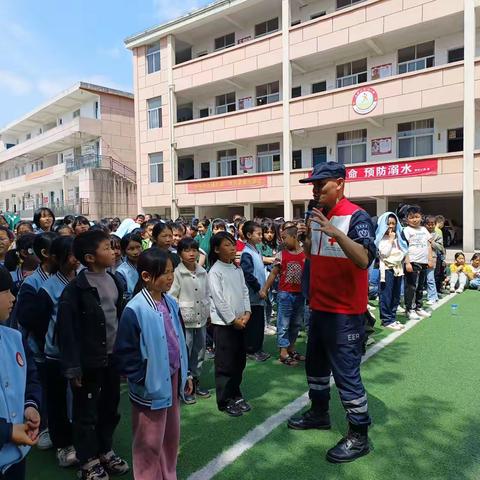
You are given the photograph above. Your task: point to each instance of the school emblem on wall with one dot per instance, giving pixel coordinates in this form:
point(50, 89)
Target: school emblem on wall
point(365, 100)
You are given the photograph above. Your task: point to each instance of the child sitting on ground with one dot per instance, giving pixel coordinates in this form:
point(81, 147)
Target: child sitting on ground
point(475, 279)
point(460, 273)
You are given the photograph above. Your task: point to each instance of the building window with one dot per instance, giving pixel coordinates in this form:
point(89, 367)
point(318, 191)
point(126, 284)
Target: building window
point(352, 147)
point(318, 15)
point(76, 114)
point(319, 155)
point(415, 139)
point(267, 27)
point(153, 57)
point(225, 103)
point(185, 112)
point(346, 3)
point(455, 140)
point(296, 159)
point(226, 163)
point(319, 87)
point(295, 22)
point(203, 112)
point(455, 55)
point(416, 57)
point(185, 168)
point(352, 73)
point(28, 136)
point(205, 170)
point(154, 106)
point(268, 157)
point(96, 112)
point(225, 41)
point(156, 167)
point(296, 92)
point(268, 93)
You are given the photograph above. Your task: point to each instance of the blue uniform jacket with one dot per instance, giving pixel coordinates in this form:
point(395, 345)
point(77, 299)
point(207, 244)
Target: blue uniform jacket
point(127, 275)
point(19, 389)
point(141, 351)
point(253, 268)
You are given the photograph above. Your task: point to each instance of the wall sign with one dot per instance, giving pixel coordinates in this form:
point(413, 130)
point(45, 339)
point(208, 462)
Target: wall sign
point(246, 163)
point(365, 100)
point(228, 184)
point(381, 146)
point(382, 71)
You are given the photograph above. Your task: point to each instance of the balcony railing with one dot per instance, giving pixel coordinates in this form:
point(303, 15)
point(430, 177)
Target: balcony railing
point(81, 207)
point(99, 161)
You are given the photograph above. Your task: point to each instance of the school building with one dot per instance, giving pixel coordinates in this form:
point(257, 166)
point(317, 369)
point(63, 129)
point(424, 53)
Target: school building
point(74, 154)
point(235, 102)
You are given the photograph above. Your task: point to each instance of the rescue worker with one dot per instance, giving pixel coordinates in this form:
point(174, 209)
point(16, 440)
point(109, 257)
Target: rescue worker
point(341, 246)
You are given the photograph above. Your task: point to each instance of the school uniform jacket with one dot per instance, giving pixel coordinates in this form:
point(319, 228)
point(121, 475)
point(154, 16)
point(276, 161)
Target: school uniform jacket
point(251, 262)
point(127, 274)
point(141, 351)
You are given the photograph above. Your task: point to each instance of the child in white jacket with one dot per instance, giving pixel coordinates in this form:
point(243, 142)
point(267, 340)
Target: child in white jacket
point(190, 289)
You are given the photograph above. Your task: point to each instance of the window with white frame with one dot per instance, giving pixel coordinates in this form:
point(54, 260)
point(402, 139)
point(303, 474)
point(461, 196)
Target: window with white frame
point(225, 103)
point(415, 139)
point(346, 3)
point(352, 73)
point(226, 162)
point(76, 114)
point(154, 107)
point(155, 161)
point(268, 93)
point(267, 27)
point(268, 157)
point(416, 57)
point(153, 57)
point(352, 147)
point(225, 41)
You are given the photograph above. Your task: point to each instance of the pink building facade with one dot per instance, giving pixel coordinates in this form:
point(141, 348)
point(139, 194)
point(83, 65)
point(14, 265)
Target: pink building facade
point(235, 102)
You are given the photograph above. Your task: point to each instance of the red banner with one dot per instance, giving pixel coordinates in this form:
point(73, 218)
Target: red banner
point(220, 185)
point(416, 168)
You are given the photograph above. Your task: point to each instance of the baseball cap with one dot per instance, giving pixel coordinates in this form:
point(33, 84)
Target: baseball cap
point(325, 170)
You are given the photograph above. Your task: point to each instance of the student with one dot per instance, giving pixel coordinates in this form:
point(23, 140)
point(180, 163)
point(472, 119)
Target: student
point(289, 264)
point(151, 352)
point(179, 231)
point(21, 261)
point(87, 324)
point(440, 263)
point(48, 297)
point(218, 225)
point(475, 276)
point(460, 273)
point(80, 225)
point(126, 273)
point(64, 230)
point(162, 238)
point(202, 228)
point(417, 261)
point(117, 251)
point(436, 242)
point(43, 219)
point(25, 314)
point(229, 312)
point(6, 240)
point(147, 232)
point(23, 227)
point(254, 272)
point(20, 392)
point(190, 289)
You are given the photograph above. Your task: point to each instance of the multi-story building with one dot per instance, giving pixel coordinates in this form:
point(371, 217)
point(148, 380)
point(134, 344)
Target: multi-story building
point(236, 101)
point(75, 154)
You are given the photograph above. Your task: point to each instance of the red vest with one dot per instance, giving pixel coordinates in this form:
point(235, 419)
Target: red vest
point(337, 285)
point(291, 273)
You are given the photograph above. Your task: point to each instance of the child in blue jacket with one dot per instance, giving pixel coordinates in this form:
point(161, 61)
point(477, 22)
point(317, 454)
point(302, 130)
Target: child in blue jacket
point(126, 272)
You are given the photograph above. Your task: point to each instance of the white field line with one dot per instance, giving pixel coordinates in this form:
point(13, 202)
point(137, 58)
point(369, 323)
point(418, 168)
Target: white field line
point(258, 433)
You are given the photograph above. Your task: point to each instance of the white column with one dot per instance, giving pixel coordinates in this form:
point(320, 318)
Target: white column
point(476, 230)
point(287, 90)
point(172, 107)
point(382, 205)
point(248, 211)
point(469, 127)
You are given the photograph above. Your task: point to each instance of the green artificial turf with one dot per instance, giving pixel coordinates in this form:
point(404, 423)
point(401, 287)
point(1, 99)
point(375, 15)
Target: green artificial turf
point(423, 396)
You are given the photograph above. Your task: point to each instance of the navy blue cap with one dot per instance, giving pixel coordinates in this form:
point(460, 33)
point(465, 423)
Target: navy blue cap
point(325, 170)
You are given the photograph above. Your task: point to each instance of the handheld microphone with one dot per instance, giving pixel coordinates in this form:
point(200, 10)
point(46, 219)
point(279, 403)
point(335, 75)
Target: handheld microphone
point(311, 205)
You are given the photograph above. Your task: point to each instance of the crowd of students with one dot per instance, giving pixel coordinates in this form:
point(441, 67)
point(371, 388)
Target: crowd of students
point(148, 300)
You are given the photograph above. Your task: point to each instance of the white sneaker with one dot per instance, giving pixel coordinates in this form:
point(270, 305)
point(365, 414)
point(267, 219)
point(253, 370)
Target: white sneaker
point(395, 326)
point(452, 290)
point(423, 313)
point(371, 308)
point(460, 290)
point(432, 302)
point(44, 440)
point(269, 331)
point(412, 315)
point(400, 309)
point(67, 456)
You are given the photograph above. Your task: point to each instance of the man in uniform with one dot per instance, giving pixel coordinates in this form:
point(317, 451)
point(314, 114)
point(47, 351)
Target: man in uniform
point(341, 246)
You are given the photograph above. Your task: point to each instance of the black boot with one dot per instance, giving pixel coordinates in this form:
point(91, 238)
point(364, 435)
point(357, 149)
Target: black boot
point(351, 447)
point(309, 420)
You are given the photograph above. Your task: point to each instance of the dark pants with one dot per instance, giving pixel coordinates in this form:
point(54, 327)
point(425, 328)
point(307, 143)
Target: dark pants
point(59, 424)
point(414, 284)
point(390, 297)
point(255, 330)
point(95, 412)
point(15, 472)
point(230, 361)
point(42, 375)
point(439, 273)
point(335, 344)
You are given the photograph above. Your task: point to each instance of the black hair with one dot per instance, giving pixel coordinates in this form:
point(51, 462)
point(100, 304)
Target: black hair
point(178, 226)
point(218, 222)
point(9, 233)
point(430, 218)
point(153, 261)
point(130, 237)
point(87, 243)
point(105, 223)
point(412, 210)
point(291, 230)
point(25, 243)
point(215, 242)
point(68, 219)
point(22, 223)
point(63, 226)
point(158, 229)
point(266, 226)
point(60, 250)
point(140, 215)
point(43, 241)
point(38, 214)
point(475, 256)
point(187, 243)
point(249, 227)
point(459, 254)
point(80, 220)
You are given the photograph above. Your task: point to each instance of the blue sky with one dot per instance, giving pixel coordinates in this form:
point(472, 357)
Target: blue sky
point(46, 46)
